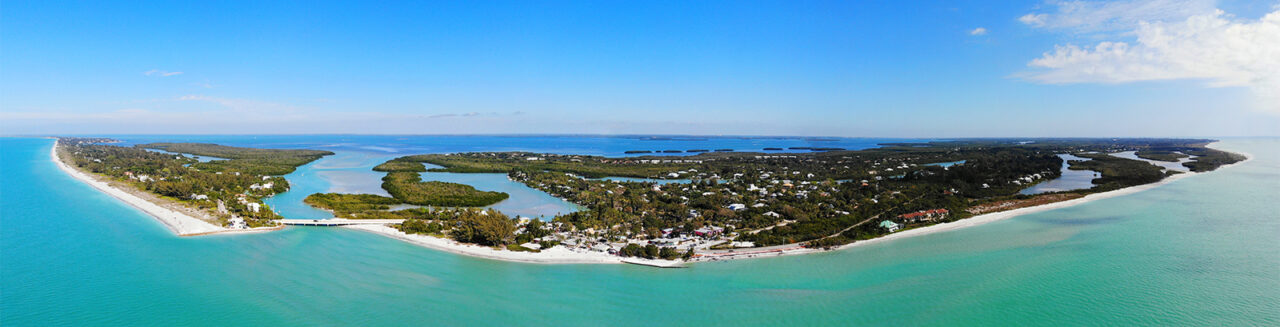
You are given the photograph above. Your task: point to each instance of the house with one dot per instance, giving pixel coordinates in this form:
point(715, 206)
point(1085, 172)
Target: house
point(772, 214)
point(708, 231)
point(237, 223)
point(737, 207)
point(891, 226)
point(255, 207)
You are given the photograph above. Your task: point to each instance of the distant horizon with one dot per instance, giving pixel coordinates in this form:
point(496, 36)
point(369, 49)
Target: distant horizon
point(1124, 68)
point(662, 135)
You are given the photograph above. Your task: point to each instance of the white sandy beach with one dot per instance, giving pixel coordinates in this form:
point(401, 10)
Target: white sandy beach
point(555, 255)
point(180, 223)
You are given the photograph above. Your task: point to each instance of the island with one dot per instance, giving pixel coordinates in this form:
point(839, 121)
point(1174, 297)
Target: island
point(739, 205)
point(714, 205)
point(189, 196)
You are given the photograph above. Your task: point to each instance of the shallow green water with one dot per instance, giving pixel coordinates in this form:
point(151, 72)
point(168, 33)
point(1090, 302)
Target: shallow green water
point(1199, 251)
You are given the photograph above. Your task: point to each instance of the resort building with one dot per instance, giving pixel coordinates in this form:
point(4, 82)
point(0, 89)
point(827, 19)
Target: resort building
point(890, 225)
point(924, 215)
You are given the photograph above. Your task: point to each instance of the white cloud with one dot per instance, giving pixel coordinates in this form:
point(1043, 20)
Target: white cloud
point(160, 73)
point(1037, 20)
point(1103, 16)
point(978, 31)
point(1214, 47)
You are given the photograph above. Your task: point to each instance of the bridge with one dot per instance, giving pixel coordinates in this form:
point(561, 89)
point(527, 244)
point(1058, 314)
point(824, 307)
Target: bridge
point(338, 222)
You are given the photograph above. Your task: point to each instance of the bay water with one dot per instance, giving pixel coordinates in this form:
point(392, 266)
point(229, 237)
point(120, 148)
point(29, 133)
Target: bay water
point(1203, 250)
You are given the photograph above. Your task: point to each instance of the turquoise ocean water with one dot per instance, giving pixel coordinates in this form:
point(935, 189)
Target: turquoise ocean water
point(1204, 250)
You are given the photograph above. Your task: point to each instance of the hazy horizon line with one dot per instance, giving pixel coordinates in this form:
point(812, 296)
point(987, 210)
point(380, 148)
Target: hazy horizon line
point(647, 135)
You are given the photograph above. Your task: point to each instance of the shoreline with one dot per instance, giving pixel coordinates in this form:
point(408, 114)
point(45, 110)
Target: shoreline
point(555, 255)
point(187, 225)
point(562, 255)
point(177, 222)
point(795, 249)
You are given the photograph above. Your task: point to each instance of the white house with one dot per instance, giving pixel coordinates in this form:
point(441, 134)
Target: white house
point(891, 226)
point(737, 206)
point(255, 207)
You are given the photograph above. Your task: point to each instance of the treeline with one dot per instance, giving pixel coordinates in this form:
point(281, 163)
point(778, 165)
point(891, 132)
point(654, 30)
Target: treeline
point(244, 160)
point(484, 227)
point(651, 251)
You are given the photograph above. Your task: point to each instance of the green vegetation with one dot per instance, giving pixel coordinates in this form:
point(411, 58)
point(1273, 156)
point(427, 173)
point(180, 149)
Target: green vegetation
point(1209, 159)
point(484, 227)
point(343, 205)
point(1161, 155)
point(1118, 172)
point(651, 251)
point(408, 187)
point(421, 226)
point(220, 192)
point(405, 185)
point(401, 166)
point(244, 160)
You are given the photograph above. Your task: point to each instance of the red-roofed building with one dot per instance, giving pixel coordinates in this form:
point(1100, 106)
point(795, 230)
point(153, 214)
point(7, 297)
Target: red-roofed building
point(924, 215)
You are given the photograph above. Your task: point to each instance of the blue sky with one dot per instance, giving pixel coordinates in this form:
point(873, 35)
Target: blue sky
point(910, 69)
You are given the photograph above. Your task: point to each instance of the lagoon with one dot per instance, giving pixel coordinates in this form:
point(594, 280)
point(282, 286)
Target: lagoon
point(523, 201)
point(1168, 166)
point(188, 155)
point(1070, 179)
point(945, 164)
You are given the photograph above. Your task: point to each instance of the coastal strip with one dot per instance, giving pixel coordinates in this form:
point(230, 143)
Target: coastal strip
point(179, 223)
point(795, 249)
point(555, 255)
point(562, 255)
point(185, 224)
